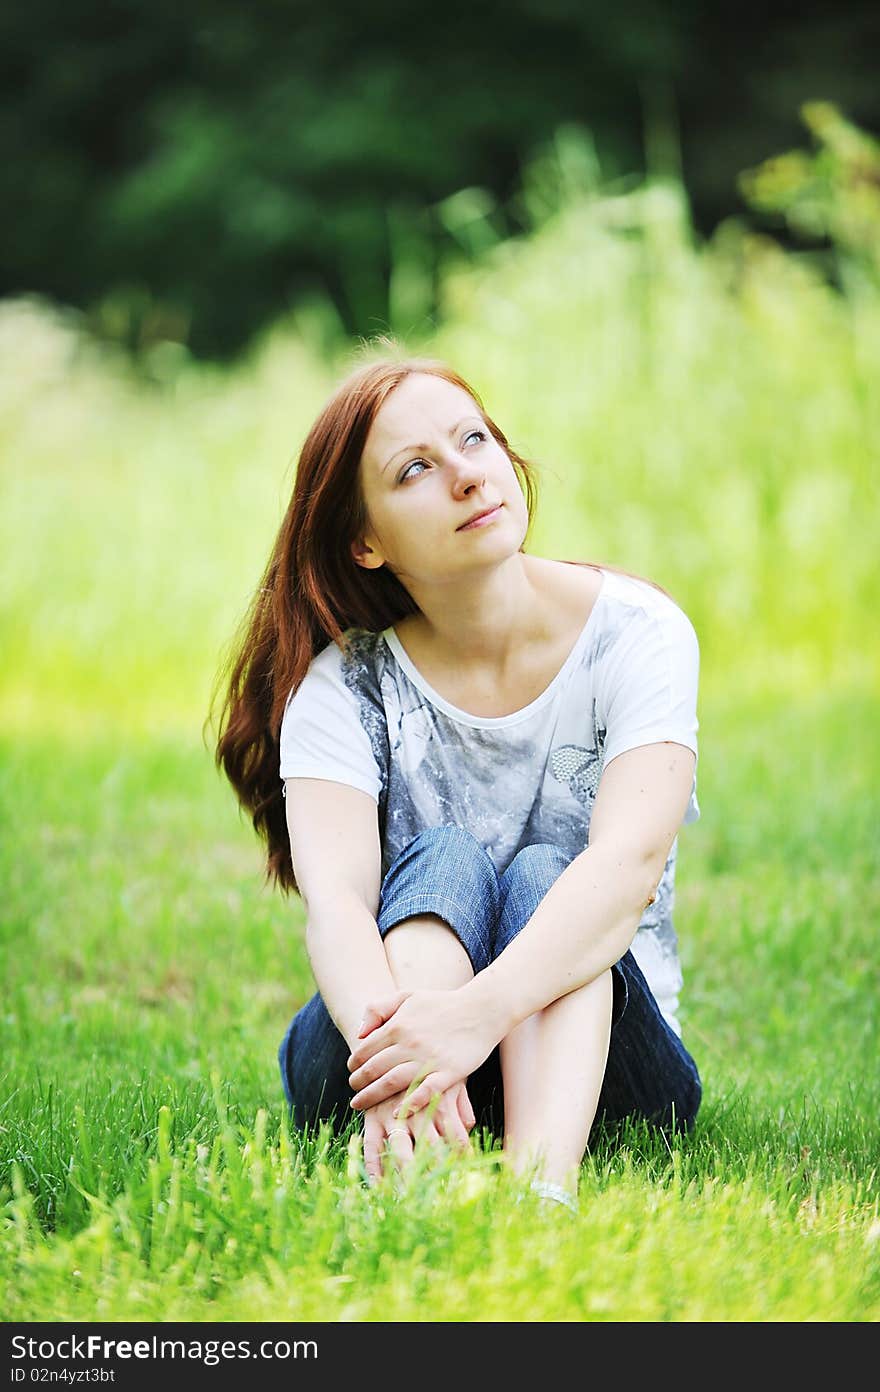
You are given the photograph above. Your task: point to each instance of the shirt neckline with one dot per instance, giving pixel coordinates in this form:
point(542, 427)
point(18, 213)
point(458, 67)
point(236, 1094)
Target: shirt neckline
point(487, 722)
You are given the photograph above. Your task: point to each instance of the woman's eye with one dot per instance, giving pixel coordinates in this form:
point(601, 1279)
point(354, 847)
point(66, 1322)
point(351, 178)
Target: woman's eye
point(420, 463)
point(416, 462)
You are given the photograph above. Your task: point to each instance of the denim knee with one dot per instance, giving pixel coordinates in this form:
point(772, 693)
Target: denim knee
point(445, 871)
point(523, 885)
point(314, 1072)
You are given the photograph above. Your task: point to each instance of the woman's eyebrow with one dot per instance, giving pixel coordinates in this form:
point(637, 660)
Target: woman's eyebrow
point(451, 431)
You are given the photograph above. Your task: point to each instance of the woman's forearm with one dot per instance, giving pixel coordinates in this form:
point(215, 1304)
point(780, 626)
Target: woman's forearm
point(582, 926)
point(348, 960)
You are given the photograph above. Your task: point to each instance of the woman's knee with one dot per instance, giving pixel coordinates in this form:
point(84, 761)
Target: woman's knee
point(312, 1058)
point(523, 885)
point(445, 844)
point(687, 1103)
point(444, 871)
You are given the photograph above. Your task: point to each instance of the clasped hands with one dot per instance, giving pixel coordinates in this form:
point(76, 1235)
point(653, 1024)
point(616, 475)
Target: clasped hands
point(430, 1039)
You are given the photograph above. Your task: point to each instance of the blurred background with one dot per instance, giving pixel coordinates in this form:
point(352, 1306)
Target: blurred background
point(188, 174)
point(651, 240)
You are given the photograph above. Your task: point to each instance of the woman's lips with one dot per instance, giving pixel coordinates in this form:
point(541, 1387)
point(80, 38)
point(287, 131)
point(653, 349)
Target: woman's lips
point(483, 521)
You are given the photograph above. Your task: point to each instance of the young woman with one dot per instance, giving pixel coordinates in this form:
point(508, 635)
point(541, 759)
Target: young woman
point(472, 764)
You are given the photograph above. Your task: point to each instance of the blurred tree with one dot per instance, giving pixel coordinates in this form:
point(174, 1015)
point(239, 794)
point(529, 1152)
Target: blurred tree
point(830, 193)
point(192, 172)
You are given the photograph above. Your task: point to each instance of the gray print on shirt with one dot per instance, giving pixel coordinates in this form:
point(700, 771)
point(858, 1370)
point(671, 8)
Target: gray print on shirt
point(578, 768)
point(362, 676)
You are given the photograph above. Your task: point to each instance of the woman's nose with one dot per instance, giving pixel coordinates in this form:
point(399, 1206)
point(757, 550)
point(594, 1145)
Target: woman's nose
point(468, 474)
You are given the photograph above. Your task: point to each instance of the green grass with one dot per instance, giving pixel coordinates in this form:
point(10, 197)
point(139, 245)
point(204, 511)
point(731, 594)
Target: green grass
point(706, 416)
point(152, 1173)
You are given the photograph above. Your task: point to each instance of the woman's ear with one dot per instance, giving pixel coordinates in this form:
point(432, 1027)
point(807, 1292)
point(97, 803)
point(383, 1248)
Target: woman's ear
point(366, 555)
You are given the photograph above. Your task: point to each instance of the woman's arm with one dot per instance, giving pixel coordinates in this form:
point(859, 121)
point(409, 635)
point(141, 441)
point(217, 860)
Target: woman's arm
point(589, 916)
point(584, 923)
point(334, 842)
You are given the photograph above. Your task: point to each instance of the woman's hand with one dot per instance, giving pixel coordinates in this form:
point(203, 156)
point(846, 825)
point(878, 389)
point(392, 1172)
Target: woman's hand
point(386, 1136)
point(432, 1038)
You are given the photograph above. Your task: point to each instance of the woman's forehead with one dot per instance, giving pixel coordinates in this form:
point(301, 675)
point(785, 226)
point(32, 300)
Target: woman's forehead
point(418, 407)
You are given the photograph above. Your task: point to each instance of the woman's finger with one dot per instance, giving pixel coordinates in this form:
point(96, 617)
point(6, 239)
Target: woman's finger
point(426, 1135)
point(433, 1085)
point(374, 1140)
point(382, 1037)
point(400, 1144)
point(373, 1069)
point(450, 1125)
point(465, 1109)
point(419, 1125)
point(377, 1012)
point(397, 1080)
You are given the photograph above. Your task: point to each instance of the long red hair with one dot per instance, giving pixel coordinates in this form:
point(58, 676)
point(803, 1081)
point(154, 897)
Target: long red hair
point(312, 591)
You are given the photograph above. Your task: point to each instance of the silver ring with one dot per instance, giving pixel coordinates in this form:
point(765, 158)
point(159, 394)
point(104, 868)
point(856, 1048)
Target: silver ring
point(397, 1131)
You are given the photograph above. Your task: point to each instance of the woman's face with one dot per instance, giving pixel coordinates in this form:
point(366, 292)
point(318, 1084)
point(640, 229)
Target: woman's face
point(428, 467)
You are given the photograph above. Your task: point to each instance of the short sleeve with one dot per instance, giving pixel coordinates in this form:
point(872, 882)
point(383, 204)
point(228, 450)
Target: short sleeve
point(652, 682)
point(321, 732)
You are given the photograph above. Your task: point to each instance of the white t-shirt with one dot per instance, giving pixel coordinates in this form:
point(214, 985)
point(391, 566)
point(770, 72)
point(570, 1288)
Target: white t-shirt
point(367, 718)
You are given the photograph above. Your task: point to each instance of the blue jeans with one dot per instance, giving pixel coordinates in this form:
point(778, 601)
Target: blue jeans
point(445, 871)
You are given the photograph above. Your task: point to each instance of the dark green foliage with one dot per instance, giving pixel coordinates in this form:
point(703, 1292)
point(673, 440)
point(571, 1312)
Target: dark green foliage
point(190, 173)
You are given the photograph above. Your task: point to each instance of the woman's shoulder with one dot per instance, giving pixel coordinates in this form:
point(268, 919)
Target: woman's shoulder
point(575, 588)
point(639, 593)
point(354, 646)
point(355, 661)
point(342, 676)
point(347, 664)
point(571, 588)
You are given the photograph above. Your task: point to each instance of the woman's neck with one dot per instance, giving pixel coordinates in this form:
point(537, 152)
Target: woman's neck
point(478, 622)
point(527, 602)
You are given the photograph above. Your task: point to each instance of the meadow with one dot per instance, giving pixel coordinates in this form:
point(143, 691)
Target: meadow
point(704, 414)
